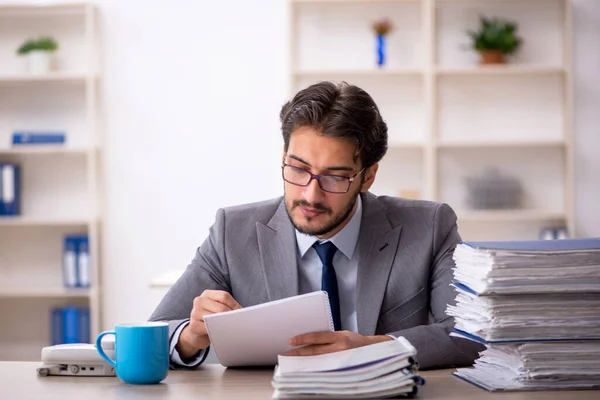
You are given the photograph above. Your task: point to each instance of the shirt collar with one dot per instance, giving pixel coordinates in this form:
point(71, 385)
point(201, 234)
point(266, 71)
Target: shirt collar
point(345, 240)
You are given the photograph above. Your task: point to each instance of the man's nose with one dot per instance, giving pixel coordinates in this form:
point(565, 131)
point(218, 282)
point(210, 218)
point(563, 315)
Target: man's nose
point(312, 192)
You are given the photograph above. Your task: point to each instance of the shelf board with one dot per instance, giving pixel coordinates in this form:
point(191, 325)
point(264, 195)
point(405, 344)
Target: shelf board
point(460, 144)
point(359, 72)
point(405, 145)
point(43, 149)
point(353, 1)
point(20, 220)
point(37, 9)
point(506, 69)
point(50, 77)
point(32, 292)
point(508, 216)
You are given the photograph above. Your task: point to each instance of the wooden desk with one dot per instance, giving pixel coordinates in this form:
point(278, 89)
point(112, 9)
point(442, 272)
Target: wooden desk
point(18, 380)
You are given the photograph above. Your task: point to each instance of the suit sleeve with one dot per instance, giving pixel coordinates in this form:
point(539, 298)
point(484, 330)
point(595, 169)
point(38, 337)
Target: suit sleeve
point(435, 347)
point(207, 271)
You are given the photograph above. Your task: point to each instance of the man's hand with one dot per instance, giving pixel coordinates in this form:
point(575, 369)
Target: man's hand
point(194, 336)
point(330, 342)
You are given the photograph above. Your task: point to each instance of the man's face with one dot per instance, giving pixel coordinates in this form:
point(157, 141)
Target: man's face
point(312, 210)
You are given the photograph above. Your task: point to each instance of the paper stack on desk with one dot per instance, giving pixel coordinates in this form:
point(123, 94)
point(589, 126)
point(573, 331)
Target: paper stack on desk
point(384, 369)
point(536, 307)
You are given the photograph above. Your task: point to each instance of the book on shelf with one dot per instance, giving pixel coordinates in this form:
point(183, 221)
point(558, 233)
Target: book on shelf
point(10, 189)
point(535, 305)
point(38, 137)
point(385, 369)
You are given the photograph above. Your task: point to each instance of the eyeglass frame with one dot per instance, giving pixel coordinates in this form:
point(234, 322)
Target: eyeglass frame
point(318, 178)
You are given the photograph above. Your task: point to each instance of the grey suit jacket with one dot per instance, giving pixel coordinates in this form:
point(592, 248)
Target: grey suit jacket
point(404, 270)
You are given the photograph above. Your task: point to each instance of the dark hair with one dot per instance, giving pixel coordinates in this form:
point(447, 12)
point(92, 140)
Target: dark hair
point(338, 110)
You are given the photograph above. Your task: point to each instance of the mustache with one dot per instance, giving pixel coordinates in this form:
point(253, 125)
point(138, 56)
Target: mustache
point(316, 206)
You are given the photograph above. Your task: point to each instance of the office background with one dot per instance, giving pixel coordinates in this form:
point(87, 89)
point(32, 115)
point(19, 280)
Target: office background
point(188, 106)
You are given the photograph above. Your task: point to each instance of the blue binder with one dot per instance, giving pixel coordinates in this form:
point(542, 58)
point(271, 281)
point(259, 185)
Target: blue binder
point(56, 326)
point(83, 261)
point(11, 188)
point(21, 137)
point(84, 325)
point(1, 186)
point(71, 324)
point(70, 261)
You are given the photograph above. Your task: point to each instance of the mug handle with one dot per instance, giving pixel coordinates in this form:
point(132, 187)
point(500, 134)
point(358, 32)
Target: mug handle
point(101, 350)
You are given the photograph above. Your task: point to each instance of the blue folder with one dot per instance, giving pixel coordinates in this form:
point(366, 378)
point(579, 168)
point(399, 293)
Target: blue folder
point(539, 245)
point(20, 137)
point(10, 194)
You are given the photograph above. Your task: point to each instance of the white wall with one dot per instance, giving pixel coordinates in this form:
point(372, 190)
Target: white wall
point(587, 116)
point(191, 97)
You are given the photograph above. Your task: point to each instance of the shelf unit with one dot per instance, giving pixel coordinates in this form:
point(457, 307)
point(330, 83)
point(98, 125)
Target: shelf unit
point(59, 183)
point(448, 116)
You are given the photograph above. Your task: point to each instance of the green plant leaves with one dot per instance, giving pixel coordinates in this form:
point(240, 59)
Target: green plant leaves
point(495, 34)
point(43, 43)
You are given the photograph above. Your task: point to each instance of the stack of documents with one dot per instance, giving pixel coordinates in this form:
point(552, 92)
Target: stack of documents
point(536, 307)
point(536, 366)
point(385, 369)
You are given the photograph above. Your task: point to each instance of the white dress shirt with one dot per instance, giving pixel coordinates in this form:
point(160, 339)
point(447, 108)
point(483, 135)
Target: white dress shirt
point(309, 275)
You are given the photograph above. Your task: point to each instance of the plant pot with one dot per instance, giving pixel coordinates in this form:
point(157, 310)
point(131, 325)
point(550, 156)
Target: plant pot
point(491, 57)
point(39, 62)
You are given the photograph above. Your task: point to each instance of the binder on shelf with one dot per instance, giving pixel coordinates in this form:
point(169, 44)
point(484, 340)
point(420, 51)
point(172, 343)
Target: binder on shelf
point(84, 325)
point(69, 324)
point(83, 262)
point(10, 176)
point(76, 261)
point(70, 262)
point(35, 137)
point(56, 326)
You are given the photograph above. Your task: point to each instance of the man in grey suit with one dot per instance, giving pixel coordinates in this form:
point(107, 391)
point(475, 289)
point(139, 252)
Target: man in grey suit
point(385, 262)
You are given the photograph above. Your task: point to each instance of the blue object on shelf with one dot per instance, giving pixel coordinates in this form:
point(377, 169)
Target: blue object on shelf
point(71, 324)
point(70, 277)
point(380, 50)
point(56, 327)
point(84, 325)
point(10, 192)
point(38, 137)
point(83, 261)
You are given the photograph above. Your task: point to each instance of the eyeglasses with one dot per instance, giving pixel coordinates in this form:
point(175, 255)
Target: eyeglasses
point(327, 183)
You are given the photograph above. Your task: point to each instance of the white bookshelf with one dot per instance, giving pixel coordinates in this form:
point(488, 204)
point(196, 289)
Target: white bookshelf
point(449, 117)
point(59, 184)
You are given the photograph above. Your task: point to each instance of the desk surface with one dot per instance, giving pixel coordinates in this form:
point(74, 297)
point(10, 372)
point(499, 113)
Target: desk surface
point(18, 380)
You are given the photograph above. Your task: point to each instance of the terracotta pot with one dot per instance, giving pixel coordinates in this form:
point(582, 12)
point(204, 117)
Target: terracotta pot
point(491, 57)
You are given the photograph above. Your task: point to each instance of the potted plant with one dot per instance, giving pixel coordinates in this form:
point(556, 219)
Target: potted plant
point(381, 28)
point(495, 39)
point(38, 52)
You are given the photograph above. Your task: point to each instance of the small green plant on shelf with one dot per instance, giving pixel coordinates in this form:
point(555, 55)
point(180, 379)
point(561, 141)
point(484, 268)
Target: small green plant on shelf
point(494, 39)
point(43, 43)
point(38, 52)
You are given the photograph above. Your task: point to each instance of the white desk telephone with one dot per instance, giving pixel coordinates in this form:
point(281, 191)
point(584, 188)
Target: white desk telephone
point(77, 359)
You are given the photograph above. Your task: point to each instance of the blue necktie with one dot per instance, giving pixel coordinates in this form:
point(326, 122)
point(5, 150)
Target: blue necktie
point(326, 251)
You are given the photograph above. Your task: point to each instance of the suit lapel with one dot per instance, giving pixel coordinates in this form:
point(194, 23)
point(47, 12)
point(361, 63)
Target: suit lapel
point(278, 252)
point(376, 247)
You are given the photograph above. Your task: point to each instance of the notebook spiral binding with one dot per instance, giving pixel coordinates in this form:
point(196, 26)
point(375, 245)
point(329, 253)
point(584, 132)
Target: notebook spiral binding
point(328, 311)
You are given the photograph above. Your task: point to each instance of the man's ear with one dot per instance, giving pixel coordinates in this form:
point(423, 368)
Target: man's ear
point(283, 156)
point(370, 174)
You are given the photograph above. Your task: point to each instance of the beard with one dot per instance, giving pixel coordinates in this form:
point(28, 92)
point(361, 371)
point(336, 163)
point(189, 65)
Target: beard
point(334, 221)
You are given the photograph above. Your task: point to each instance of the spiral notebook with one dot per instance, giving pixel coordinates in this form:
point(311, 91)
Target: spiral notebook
point(256, 335)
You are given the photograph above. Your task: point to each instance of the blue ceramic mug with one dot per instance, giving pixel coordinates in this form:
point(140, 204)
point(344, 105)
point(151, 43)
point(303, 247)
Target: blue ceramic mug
point(141, 351)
